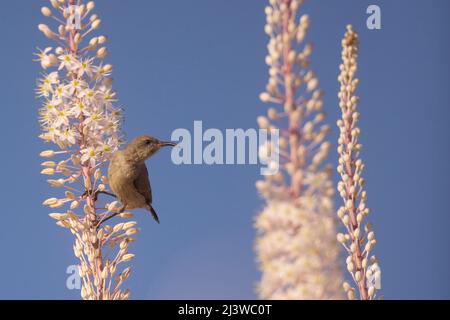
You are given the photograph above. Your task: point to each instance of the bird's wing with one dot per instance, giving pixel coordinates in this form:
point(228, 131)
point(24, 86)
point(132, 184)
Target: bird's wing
point(142, 184)
point(113, 169)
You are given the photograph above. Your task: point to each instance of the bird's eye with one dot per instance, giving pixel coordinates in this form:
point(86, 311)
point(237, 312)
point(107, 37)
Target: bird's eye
point(148, 141)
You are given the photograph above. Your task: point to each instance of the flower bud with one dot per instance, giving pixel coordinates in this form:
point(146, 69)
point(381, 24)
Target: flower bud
point(263, 122)
point(350, 267)
point(46, 31)
point(74, 205)
point(264, 97)
point(346, 220)
point(129, 225)
point(47, 154)
point(107, 68)
point(340, 238)
point(131, 231)
point(128, 257)
point(105, 273)
point(84, 293)
point(90, 5)
point(93, 42)
point(46, 11)
point(102, 39)
point(118, 227)
point(55, 4)
point(77, 38)
point(59, 50)
point(96, 24)
point(58, 204)
point(70, 195)
point(57, 216)
point(102, 53)
point(50, 201)
point(48, 164)
point(112, 206)
point(126, 215)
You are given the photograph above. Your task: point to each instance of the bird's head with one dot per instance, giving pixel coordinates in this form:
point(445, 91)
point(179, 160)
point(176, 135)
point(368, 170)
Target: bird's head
point(143, 147)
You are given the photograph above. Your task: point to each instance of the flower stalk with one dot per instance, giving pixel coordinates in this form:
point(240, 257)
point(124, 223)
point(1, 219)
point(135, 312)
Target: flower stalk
point(80, 118)
point(296, 244)
point(359, 239)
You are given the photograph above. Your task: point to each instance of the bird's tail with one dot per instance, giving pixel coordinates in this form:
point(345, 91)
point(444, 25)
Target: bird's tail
point(153, 212)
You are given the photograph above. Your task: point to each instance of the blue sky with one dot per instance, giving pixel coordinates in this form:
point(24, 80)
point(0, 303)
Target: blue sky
point(180, 61)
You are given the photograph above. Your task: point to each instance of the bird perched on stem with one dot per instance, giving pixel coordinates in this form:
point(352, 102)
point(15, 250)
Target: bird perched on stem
point(128, 174)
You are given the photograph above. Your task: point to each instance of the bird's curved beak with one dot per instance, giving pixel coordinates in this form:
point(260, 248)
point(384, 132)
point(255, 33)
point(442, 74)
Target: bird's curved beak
point(167, 144)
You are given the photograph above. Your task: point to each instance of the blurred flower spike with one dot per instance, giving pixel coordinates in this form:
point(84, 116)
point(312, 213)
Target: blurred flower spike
point(296, 244)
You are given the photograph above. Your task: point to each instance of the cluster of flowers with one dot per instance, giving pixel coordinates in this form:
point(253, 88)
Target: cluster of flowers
point(296, 231)
point(79, 117)
point(79, 90)
point(359, 240)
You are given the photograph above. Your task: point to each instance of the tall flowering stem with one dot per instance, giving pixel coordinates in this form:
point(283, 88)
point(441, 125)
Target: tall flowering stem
point(359, 240)
point(296, 244)
point(80, 118)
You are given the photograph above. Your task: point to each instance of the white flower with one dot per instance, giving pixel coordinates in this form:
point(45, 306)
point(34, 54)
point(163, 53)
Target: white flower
point(85, 67)
point(52, 78)
point(46, 85)
point(88, 155)
point(109, 96)
point(47, 60)
point(93, 120)
point(75, 85)
point(44, 88)
point(67, 61)
point(79, 109)
point(90, 96)
point(68, 135)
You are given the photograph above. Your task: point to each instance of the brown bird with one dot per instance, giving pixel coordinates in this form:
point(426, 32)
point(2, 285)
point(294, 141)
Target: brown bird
point(128, 174)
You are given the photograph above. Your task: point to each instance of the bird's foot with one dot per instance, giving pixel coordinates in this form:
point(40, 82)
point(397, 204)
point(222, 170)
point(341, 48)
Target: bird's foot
point(89, 193)
point(106, 218)
point(95, 194)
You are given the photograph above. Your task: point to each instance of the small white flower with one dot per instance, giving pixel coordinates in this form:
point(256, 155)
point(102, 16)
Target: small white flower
point(75, 85)
point(67, 61)
point(47, 60)
point(85, 67)
point(68, 135)
point(88, 155)
point(44, 88)
point(109, 97)
point(79, 109)
point(52, 78)
point(61, 118)
point(60, 91)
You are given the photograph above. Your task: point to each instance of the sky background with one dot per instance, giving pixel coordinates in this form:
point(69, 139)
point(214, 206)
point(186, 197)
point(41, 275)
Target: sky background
point(180, 61)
